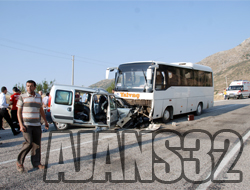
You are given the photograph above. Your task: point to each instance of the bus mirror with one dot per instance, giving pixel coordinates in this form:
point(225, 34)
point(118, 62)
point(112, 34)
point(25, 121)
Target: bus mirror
point(107, 74)
point(149, 80)
point(149, 74)
point(110, 69)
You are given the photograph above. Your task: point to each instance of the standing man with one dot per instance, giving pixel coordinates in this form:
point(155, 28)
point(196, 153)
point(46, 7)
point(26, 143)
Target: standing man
point(45, 102)
point(29, 111)
point(225, 93)
point(13, 100)
point(4, 112)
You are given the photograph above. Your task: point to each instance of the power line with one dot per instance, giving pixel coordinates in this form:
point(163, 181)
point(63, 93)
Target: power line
point(49, 55)
point(34, 46)
point(33, 51)
point(90, 59)
point(83, 61)
point(94, 59)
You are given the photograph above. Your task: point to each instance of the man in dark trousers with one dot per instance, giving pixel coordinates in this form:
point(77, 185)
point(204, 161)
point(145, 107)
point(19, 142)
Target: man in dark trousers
point(4, 111)
point(29, 111)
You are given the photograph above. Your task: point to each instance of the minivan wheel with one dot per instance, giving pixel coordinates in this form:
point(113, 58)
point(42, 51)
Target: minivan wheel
point(199, 109)
point(61, 126)
point(166, 115)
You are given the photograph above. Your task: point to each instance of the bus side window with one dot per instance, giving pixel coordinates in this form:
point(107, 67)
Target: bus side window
point(195, 78)
point(161, 80)
point(183, 78)
point(209, 79)
point(201, 78)
point(188, 77)
point(170, 76)
point(178, 75)
point(174, 80)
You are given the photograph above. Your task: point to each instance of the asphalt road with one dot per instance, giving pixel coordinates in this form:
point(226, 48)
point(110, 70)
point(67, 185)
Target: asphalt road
point(210, 152)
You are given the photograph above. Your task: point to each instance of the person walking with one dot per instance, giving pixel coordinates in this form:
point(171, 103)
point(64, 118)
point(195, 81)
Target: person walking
point(13, 100)
point(225, 93)
point(29, 111)
point(4, 112)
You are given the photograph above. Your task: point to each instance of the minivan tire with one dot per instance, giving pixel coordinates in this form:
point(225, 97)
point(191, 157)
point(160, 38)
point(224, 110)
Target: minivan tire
point(61, 126)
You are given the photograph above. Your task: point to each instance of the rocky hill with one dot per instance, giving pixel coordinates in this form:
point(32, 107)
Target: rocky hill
point(102, 84)
point(233, 64)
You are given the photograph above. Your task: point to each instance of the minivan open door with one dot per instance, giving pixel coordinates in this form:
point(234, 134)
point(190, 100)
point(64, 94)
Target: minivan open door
point(112, 112)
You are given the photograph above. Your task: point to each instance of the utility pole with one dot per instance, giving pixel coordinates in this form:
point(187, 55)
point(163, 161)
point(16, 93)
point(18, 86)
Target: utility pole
point(73, 69)
point(226, 81)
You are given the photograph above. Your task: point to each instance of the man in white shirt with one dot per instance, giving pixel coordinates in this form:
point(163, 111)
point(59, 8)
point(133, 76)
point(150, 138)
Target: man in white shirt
point(45, 102)
point(40, 92)
point(4, 112)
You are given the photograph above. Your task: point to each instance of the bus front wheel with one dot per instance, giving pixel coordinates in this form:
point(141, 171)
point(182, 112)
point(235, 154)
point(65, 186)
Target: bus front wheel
point(166, 115)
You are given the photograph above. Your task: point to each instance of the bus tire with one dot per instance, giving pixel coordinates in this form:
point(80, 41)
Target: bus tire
point(166, 115)
point(61, 126)
point(199, 109)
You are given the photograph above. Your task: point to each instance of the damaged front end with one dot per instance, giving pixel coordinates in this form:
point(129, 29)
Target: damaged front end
point(133, 119)
point(135, 116)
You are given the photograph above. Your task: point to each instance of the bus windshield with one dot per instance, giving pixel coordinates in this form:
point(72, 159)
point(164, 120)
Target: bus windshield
point(132, 77)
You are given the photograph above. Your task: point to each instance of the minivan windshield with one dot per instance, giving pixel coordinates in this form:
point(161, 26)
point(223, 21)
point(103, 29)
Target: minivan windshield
point(132, 77)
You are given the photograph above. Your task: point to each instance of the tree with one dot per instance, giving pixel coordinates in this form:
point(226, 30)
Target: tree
point(111, 87)
point(39, 87)
point(44, 86)
point(20, 87)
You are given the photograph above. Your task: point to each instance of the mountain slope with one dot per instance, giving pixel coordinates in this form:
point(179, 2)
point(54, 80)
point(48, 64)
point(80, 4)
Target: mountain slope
point(233, 64)
point(102, 84)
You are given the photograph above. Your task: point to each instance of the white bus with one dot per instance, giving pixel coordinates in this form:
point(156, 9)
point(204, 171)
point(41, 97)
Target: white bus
point(163, 90)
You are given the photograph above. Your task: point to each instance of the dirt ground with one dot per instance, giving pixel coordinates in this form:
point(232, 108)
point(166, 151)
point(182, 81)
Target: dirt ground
point(218, 97)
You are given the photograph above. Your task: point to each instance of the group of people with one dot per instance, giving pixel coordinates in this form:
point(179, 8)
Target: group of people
point(27, 110)
point(4, 113)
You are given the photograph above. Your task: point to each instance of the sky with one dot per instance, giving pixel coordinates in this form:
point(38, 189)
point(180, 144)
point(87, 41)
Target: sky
point(38, 38)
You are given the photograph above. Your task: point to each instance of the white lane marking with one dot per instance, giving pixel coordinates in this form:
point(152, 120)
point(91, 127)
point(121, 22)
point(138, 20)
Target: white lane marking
point(58, 149)
point(225, 161)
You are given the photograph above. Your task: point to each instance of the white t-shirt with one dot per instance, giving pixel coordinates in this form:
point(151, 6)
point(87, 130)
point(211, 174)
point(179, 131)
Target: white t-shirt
point(45, 101)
